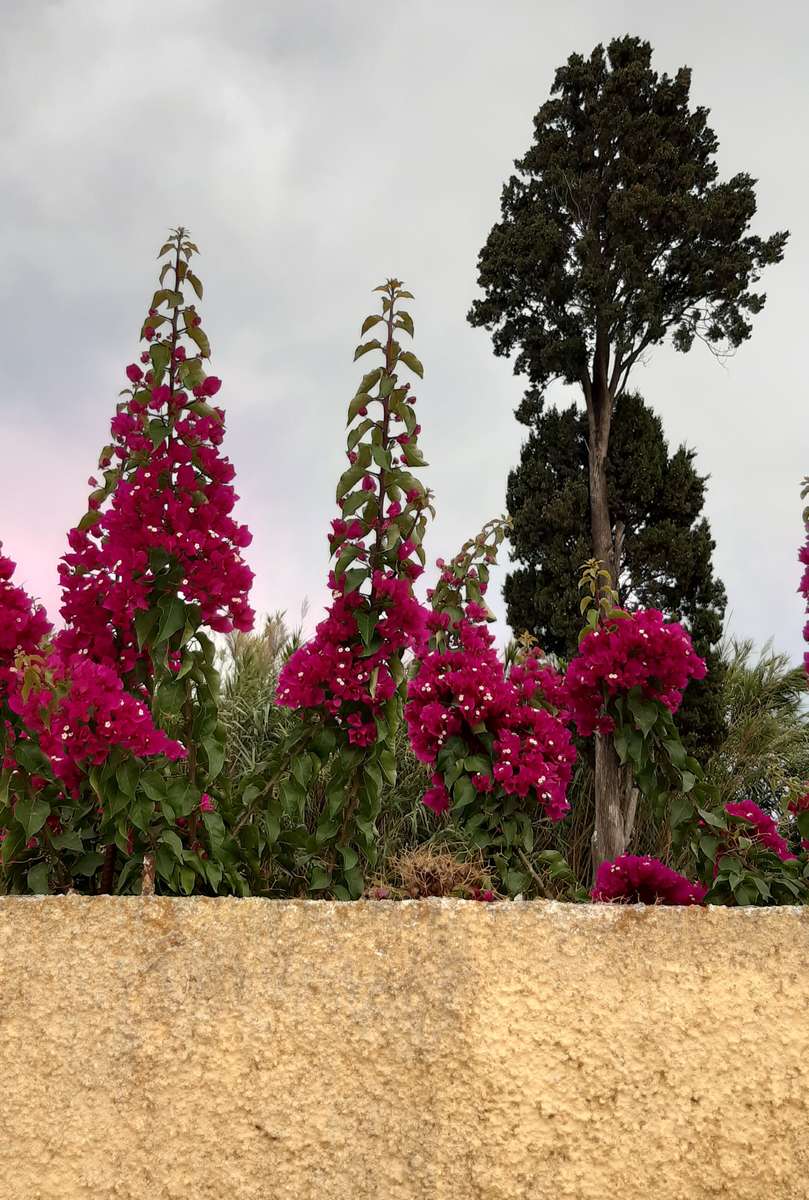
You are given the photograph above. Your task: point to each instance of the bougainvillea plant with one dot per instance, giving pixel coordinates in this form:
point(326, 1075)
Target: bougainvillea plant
point(803, 557)
point(347, 683)
point(742, 857)
point(632, 879)
point(153, 566)
point(66, 721)
point(500, 757)
point(626, 682)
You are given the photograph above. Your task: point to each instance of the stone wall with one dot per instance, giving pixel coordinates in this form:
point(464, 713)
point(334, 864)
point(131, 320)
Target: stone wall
point(240, 1049)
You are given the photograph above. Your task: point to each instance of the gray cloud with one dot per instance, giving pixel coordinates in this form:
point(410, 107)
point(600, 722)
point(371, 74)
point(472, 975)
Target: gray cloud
point(314, 149)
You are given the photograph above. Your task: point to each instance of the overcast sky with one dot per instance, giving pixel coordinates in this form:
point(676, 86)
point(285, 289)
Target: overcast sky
point(313, 149)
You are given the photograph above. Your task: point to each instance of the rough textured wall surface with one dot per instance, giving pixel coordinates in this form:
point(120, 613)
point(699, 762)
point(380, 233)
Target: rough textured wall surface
point(244, 1049)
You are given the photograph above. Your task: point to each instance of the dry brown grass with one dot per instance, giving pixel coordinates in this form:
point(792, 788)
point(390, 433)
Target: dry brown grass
point(429, 871)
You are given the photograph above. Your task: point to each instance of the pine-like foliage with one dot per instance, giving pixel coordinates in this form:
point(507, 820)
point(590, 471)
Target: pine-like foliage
point(665, 542)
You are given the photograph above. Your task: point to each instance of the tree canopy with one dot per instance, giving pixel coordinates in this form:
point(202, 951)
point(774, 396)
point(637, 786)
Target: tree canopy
point(616, 231)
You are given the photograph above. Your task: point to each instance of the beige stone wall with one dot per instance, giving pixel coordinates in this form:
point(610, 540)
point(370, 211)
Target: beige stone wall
point(237, 1050)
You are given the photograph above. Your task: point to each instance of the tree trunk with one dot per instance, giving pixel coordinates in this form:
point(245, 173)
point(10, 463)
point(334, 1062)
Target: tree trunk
point(609, 837)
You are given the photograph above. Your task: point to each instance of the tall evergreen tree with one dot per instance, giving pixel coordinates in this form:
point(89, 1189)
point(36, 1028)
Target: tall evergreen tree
point(615, 234)
point(664, 543)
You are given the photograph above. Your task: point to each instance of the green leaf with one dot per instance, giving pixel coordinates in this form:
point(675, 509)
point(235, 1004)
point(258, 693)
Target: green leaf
point(676, 751)
point(32, 813)
point(463, 793)
point(90, 518)
point(347, 556)
point(354, 578)
point(364, 347)
point(515, 882)
point(172, 619)
point(366, 624)
point(351, 476)
point(216, 828)
point(708, 845)
point(127, 776)
point(369, 322)
point(688, 781)
point(69, 840)
point(215, 753)
point(170, 839)
point(38, 878)
point(413, 455)
point(715, 820)
point(160, 355)
point(195, 283)
point(349, 856)
point(145, 623)
point(410, 360)
point(88, 864)
point(319, 879)
point(370, 380)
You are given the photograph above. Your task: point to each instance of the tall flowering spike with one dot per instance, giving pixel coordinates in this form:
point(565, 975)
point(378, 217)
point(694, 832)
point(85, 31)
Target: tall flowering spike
point(23, 628)
point(349, 679)
point(499, 755)
point(803, 557)
point(158, 546)
point(353, 665)
point(23, 623)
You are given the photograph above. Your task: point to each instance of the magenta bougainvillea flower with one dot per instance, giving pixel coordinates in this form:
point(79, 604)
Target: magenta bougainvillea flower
point(632, 879)
point(334, 669)
point(78, 712)
point(462, 691)
point(23, 624)
point(639, 650)
point(161, 523)
point(764, 827)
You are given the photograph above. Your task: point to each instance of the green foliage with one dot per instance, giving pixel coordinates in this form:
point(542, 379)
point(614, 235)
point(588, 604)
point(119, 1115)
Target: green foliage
point(655, 500)
point(764, 756)
point(316, 761)
point(615, 230)
point(738, 869)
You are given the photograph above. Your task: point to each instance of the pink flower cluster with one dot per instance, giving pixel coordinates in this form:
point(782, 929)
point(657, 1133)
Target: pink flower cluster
point(334, 671)
point(635, 880)
point(462, 692)
point(169, 514)
point(23, 624)
point(81, 712)
point(640, 650)
point(765, 829)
